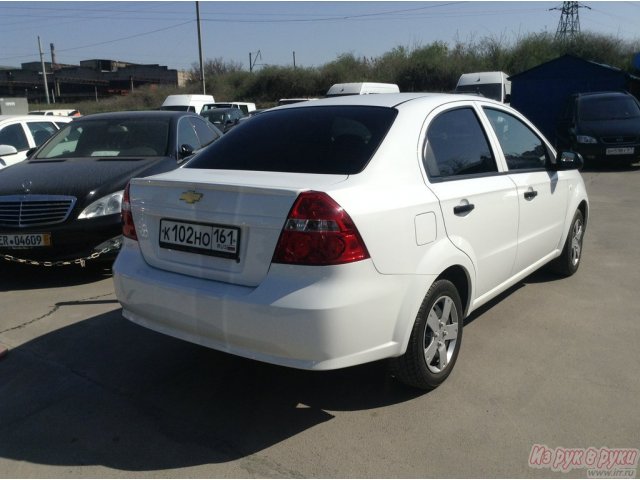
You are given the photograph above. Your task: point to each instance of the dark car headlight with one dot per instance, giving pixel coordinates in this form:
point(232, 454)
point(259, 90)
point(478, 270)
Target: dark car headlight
point(107, 205)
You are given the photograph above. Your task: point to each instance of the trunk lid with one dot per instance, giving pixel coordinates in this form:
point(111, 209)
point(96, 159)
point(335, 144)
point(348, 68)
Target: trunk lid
point(190, 204)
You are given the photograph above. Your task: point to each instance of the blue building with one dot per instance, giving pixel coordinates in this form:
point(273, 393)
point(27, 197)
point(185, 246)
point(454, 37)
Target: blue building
point(540, 93)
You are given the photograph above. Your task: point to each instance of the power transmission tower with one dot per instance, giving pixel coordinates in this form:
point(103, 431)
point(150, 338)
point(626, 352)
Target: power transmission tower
point(569, 24)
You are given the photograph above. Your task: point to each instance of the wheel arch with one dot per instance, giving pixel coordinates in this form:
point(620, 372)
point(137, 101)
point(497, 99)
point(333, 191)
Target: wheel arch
point(457, 273)
point(459, 276)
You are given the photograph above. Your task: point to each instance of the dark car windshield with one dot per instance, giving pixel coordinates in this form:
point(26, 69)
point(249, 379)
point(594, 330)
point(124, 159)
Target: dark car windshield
point(118, 137)
point(324, 140)
point(608, 108)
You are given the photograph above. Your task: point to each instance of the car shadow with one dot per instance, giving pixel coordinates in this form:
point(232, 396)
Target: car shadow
point(17, 276)
point(104, 391)
point(543, 275)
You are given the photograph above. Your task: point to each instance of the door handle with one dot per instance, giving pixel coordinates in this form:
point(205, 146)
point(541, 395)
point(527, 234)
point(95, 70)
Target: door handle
point(460, 209)
point(530, 195)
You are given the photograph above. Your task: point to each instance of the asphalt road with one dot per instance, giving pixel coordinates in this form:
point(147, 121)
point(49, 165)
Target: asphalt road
point(554, 362)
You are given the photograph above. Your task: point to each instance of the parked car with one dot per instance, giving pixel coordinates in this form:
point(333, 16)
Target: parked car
point(64, 112)
point(289, 101)
point(495, 85)
point(62, 204)
point(224, 118)
point(603, 126)
point(332, 233)
point(361, 88)
point(186, 103)
point(246, 107)
point(20, 133)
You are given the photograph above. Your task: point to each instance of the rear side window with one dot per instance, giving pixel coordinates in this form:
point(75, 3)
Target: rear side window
point(456, 145)
point(206, 134)
point(323, 140)
point(14, 135)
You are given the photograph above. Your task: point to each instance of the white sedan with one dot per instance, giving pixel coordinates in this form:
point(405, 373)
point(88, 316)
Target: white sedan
point(332, 233)
point(21, 133)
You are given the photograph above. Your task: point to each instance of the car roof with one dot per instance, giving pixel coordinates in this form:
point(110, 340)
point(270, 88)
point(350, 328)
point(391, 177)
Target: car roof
point(34, 118)
point(170, 114)
point(389, 100)
point(602, 94)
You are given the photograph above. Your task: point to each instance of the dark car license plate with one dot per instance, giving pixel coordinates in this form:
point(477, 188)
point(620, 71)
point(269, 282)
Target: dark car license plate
point(207, 239)
point(25, 240)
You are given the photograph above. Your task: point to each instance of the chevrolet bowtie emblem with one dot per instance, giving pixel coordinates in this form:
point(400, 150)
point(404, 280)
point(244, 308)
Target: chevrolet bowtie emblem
point(191, 196)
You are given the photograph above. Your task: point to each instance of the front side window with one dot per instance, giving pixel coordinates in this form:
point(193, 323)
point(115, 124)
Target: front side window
point(187, 134)
point(456, 145)
point(323, 140)
point(522, 148)
point(205, 133)
point(14, 135)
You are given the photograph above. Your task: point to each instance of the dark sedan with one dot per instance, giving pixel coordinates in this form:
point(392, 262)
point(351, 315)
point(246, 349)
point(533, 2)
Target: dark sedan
point(62, 205)
point(224, 118)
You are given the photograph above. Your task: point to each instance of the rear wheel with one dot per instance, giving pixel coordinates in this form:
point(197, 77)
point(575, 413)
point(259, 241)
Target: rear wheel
point(568, 262)
point(435, 339)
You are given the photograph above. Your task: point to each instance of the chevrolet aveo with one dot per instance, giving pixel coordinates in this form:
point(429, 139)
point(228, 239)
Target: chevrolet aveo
point(332, 233)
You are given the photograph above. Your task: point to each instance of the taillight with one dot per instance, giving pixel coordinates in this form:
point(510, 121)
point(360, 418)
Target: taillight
point(319, 232)
point(128, 228)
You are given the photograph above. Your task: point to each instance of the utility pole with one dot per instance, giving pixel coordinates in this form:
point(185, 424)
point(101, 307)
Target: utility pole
point(294, 60)
point(252, 63)
point(44, 71)
point(569, 24)
point(200, 48)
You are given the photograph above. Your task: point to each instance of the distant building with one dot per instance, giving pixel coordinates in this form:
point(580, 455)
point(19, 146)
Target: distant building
point(95, 78)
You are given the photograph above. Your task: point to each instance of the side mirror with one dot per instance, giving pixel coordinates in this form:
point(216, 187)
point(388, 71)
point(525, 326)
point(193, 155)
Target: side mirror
point(186, 150)
point(8, 150)
point(567, 160)
point(507, 98)
point(31, 151)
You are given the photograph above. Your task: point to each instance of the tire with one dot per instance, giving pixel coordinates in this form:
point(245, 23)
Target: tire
point(435, 339)
point(569, 260)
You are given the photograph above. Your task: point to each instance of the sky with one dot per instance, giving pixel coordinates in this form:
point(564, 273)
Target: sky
point(165, 33)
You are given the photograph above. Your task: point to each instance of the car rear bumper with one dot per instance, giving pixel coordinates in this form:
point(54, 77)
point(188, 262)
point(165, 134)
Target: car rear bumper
point(314, 318)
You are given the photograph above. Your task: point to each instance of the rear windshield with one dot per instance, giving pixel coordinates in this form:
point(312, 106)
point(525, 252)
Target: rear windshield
point(608, 108)
point(323, 140)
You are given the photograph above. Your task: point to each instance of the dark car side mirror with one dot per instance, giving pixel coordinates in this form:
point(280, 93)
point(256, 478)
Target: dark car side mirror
point(31, 151)
point(185, 151)
point(567, 160)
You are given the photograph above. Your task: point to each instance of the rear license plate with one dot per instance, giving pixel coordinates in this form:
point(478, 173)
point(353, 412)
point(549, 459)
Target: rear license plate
point(25, 240)
point(207, 239)
point(620, 151)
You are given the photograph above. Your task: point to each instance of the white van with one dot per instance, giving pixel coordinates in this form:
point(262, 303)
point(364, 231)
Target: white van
point(495, 85)
point(189, 103)
point(246, 107)
point(361, 88)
